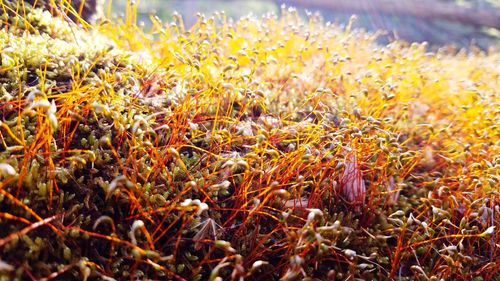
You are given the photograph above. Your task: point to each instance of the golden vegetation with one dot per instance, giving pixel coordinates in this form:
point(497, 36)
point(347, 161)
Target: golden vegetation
point(253, 149)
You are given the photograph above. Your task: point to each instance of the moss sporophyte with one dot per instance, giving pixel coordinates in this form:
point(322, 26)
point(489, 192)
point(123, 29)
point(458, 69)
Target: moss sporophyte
point(278, 147)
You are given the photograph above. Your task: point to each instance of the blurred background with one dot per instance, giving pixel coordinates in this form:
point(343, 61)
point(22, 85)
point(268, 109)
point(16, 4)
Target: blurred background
point(462, 23)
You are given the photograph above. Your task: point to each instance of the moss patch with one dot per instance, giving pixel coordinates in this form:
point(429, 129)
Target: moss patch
point(262, 148)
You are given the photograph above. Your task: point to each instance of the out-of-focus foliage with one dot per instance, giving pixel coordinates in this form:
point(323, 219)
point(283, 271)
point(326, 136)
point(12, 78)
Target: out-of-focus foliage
point(259, 149)
point(437, 32)
point(480, 4)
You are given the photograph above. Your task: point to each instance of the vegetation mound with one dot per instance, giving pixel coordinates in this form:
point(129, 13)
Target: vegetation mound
point(258, 149)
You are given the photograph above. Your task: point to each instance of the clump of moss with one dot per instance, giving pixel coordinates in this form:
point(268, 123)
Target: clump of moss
point(263, 148)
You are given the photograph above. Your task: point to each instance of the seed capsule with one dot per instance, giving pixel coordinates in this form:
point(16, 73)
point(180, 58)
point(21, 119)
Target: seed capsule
point(7, 170)
point(350, 254)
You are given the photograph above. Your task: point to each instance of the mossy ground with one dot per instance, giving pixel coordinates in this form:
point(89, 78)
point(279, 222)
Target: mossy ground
point(259, 149)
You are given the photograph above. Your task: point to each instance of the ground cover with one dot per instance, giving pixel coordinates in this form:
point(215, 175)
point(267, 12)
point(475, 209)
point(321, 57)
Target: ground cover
point(259, 149)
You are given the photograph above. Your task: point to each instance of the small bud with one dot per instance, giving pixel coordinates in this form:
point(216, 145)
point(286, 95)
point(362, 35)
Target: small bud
point(5, 266)
point(7, 170)
point(450, 249)
point(258, 264)
point(488, 232)
point(282, 193)
point(224, 245)
point(138, 224)
point(313, 213)
point(336, 225)
point(397, 214)
point(350, 254)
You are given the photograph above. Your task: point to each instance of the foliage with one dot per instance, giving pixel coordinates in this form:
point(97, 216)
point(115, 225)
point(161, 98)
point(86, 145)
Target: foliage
point(372, 17)
point(260, 149)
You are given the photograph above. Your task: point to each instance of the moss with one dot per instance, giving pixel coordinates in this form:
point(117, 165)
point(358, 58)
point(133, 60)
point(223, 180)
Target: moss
point(308, 149)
